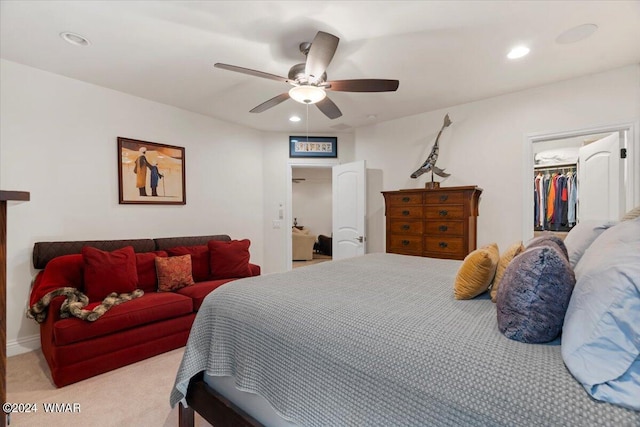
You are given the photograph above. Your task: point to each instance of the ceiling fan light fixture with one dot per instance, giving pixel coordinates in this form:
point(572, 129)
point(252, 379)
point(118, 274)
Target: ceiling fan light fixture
point(307, 94)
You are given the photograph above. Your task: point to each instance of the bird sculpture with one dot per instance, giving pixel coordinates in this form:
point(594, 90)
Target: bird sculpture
point(430, 163)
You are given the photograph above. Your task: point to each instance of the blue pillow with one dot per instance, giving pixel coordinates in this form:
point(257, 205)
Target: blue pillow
point(582, 236)
point(534, 294)
point(601, 332)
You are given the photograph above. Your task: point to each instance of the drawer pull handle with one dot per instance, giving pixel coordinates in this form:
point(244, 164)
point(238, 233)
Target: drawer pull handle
point(443, 244)
point(405, 213)
point(444, 198)
point(443, 213)
point(406, 199)
point(405, 227)
point(443, 228)
point(405, 243)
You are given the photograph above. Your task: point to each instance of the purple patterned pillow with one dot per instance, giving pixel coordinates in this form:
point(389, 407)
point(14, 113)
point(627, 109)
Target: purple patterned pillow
point(551, 240)
point(534, 295)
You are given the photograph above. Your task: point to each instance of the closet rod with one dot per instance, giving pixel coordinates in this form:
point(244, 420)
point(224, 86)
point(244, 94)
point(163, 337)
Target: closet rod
point(556, 169)
point(555, 166)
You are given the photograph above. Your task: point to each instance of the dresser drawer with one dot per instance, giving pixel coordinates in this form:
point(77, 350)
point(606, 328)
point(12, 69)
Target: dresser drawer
point(409, 211)
point(445, 228)
point(402, 199)
point(406, 244)
point(447, 245)
point(444, 197)
point(398, 226)
point(444, 212)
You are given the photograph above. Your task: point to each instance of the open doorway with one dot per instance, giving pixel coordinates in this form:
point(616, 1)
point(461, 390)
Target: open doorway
point(602, 160)
point(311, 214)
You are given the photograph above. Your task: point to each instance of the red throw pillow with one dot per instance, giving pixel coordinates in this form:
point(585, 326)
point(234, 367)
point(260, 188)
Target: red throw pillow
point(106, 272)
point(62, 271)
point(199, 260)
point(146, 266)
point(229, 260)
point(174, 273)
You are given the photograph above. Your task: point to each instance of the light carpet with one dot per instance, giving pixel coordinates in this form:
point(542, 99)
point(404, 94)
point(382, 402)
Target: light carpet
point(135, 395)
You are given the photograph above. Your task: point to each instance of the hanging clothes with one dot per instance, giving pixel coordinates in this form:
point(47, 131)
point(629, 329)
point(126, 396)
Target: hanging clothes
point(555, 197)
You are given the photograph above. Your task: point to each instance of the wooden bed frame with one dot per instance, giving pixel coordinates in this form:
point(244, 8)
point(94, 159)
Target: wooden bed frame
point(212, 406)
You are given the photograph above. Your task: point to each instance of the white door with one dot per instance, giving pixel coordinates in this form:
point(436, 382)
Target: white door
point(600, 183)
point(349, 205)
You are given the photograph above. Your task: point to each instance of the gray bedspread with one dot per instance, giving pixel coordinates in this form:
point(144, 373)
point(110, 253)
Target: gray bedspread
point(379, 340)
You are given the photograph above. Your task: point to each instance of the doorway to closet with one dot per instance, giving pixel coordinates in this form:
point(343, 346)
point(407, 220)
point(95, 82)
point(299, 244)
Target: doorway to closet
point(579, 175)
point(312, 214)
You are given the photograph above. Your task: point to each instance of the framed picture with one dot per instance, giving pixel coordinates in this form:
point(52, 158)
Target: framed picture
point(313, 146)
point(150, 173)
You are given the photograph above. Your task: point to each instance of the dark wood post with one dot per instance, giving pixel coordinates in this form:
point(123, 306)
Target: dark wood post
point(5, 196)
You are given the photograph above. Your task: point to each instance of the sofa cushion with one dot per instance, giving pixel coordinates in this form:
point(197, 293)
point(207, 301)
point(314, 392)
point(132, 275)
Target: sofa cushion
point(199, 260)
point(229, 259)
point(146, 266)
point(60, 272)
point(151, 307)
point(107, 272)
point(200, 290)
point(174, 273)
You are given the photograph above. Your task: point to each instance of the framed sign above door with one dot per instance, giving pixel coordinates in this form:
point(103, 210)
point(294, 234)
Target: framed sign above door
point(313, 146)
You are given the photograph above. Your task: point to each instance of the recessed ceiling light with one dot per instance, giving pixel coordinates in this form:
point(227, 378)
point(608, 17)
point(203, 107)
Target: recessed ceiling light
point(75, 39)
point(576, 34)
point(518, 52)
point(372, 117)
point(294, 119)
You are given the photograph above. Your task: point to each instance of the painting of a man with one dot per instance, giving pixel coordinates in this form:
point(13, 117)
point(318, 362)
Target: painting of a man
point(140, 170)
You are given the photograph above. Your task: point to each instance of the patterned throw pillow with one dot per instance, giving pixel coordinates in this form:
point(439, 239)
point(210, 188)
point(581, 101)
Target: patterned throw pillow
point(174, 273)
point(106, 272)
point(505, 259)
point(476, 272)
point(199, 260)
point(549, 239)
point(534, 294)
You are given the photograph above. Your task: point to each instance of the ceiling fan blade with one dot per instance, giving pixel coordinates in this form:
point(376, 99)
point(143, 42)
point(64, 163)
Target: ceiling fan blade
point(323, 47)
point(364, 85)
point(329, 109)
point(271, 103)
point(251, 72)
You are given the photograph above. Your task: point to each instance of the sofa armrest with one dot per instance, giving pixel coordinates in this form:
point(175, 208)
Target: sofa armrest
point(255, 269)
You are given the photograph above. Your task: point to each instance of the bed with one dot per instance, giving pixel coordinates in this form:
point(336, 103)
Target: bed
point(373, 340)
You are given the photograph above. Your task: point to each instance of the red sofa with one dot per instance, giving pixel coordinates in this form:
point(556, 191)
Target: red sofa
point(155, 323)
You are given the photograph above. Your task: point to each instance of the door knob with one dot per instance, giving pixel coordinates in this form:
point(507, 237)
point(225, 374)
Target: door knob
point(360, 239)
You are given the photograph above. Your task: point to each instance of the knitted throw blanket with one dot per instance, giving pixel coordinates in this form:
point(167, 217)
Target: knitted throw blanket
point(75, 302)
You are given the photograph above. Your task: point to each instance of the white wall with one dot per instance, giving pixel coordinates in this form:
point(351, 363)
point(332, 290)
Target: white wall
point(312, 199)
point(58, 141)
point(485, 144)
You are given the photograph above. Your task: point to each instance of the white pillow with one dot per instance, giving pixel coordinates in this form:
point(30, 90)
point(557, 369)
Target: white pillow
point(581, 236)
point(601, 331)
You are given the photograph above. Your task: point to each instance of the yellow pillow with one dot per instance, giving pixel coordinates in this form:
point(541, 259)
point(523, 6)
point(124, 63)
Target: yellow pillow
point(476, 272)
point(505, 259)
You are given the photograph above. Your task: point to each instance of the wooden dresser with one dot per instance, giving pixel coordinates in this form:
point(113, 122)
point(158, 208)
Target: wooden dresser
point(438, 223)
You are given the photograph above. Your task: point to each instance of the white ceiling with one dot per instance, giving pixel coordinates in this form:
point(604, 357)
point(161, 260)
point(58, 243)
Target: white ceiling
point(443, 52)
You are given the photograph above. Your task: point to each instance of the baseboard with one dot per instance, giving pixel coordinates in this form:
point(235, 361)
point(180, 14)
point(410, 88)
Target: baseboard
point(23, 345)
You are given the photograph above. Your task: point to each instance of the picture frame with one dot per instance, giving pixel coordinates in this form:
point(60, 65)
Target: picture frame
point(150, 173)
point(313, 146)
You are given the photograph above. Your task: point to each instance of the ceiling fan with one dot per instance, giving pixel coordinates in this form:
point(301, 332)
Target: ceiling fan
point(309, 79)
